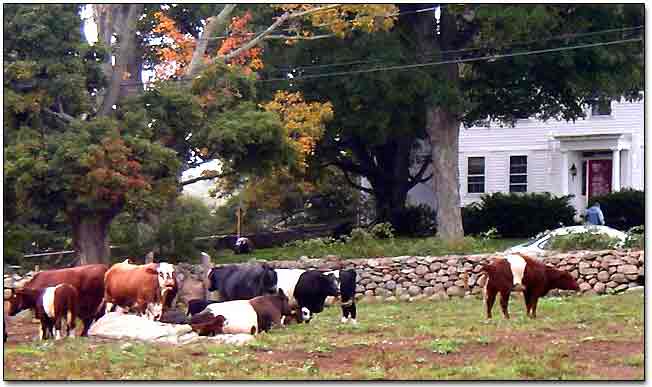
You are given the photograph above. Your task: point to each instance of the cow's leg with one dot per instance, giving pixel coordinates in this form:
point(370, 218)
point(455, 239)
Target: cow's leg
point(504, 302)
point(86, 325)
point(57, 327)
point(345, 314)
point(533, 313)
point(352, 313)
point(489, 299)
point(528, 302)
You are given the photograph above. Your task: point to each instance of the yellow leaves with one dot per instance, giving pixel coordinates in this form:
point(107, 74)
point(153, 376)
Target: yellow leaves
point(345, 18)
point(304, 122)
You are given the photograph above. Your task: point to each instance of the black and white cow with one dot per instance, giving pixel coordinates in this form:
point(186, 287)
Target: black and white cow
point(242, 282)
point(346, 281)
point(306, 290)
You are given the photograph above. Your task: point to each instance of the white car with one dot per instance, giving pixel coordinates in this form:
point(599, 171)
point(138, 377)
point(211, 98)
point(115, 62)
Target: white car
point(541, 243)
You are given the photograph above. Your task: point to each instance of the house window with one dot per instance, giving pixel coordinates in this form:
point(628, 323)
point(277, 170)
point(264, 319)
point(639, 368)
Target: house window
point(475, 175)
point(517, 173)
point(601, 107)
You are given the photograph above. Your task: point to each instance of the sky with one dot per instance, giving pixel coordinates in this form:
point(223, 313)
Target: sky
point(199, 189)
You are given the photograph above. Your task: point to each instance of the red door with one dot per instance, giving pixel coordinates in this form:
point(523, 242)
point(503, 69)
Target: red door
point(599, 177)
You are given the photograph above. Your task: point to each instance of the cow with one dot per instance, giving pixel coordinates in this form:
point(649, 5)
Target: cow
point(533, 277)
point(88, 280)
point(197, 305)
point(242, 282)
point(143, 288)
point(242, 316)
point(243, 246)
point(56, 307)
point(346, 281)
point(306, 290)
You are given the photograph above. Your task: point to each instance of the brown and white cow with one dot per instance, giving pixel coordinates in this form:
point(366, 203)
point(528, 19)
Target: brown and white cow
point(88, 280)
point(242, 316)
point(56, 307)
point(535, 278)
point(143, 288)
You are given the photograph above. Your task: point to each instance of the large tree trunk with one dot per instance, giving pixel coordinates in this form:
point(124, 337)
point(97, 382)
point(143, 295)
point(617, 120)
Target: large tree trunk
point(90, 234)
point(444, 128)
point(442, 121)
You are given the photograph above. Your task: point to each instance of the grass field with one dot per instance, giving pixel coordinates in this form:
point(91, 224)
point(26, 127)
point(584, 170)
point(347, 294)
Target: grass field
point(373, 248)
point(573, 338)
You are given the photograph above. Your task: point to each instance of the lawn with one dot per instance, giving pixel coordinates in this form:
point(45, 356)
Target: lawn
point(317, 248)
point(593, 337)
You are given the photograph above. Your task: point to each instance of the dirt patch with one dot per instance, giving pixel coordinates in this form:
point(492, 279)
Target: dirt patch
point(605, 358)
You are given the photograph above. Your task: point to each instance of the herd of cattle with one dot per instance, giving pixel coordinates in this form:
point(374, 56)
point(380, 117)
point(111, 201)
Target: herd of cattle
point(253, 298)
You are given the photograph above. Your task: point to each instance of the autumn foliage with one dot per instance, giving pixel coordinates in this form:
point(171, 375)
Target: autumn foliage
point(250, 60)
point(112, 172)
point(176, 55)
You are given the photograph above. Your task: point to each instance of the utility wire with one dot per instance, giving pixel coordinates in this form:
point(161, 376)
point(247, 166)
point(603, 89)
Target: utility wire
point(477, 48)
point(419, 65)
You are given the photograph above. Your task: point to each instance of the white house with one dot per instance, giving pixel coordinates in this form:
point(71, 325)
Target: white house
point(601, 153)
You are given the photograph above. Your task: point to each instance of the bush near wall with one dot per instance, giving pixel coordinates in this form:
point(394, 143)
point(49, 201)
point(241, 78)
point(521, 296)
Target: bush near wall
point(623, 209)
point(517, 215)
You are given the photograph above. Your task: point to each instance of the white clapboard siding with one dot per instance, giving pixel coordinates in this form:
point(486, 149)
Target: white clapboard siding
point(535, 139)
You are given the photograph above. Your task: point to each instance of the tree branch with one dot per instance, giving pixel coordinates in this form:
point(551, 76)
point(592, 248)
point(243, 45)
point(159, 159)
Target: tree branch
point(66, 118)
point(355, 185)
point(127, 43)
point(416, 178)
point(253, 42)
point(206, 177)
point(298, 37)
point(214, 23)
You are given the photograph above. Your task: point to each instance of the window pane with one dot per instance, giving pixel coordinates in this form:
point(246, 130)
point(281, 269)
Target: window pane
point(518, 164)
point(518, 179)
point(476, 188)
point(476, 179)
point(476, 166)
point(517, 188)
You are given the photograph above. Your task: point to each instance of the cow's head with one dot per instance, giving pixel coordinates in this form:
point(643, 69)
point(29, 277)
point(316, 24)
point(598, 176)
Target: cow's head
point(166, 276)
point(284, 303)
point(269, 279)
point(561, 279)
point(18, 301)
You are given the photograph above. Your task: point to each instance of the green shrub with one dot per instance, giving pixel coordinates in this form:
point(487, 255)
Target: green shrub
point(623, 209)
point(583, 241)
point(517, 215)
point(383, 231)
point(416, 221)
point(635, 238)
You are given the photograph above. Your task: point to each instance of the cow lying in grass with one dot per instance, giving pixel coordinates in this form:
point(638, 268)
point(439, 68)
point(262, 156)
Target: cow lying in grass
point(56, 307)
point(242, 316)
point(535, 278)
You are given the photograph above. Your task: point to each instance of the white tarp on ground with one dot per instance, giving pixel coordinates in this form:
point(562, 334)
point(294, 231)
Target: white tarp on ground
point(130, 327)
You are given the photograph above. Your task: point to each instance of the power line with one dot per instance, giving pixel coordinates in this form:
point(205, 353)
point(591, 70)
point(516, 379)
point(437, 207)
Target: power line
point(477, 48)
point(418, 65)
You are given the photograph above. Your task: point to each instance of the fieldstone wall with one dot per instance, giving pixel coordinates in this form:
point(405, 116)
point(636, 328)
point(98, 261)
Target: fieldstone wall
point(410, 278)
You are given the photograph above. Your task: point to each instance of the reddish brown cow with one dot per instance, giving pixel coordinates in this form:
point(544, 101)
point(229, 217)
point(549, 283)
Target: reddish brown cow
point(144, 288)
point(88, 280)
point(537, 280)
point(56, 307)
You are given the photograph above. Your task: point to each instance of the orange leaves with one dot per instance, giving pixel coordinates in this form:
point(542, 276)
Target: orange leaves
point(178, 53)
point(250, 60)
point(112, 172)
point(304, 122)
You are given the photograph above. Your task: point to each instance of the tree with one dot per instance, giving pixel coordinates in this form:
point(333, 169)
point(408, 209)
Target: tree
point(550, 85)
point(379, 117)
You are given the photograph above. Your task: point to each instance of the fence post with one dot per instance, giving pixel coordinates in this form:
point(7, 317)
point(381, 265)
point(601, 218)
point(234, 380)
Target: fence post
point(206, 264)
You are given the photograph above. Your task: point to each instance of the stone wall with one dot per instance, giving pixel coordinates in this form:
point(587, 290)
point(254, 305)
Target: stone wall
point(410, 278)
